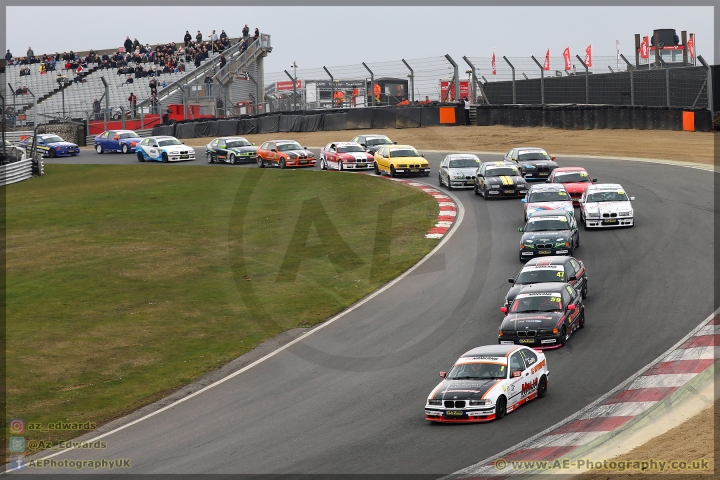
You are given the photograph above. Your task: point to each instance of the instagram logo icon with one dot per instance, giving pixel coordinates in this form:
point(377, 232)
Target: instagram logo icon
point(17, 426)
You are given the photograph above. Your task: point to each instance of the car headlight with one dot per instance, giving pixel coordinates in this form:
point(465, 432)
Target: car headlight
point(592, 215)
point(625, 214)
point(528, 167)
point(457, 177)
point(480, 402)
point(434, 402)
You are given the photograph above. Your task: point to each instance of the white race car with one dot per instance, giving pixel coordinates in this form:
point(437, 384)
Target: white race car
point(488, 382)
point(458, 170)
point(547, 196)
point(345, 156)
point(606, 205)
point(163, 149)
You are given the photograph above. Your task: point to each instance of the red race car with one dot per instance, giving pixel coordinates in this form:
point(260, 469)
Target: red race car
point(345, 156)
point(575, 179)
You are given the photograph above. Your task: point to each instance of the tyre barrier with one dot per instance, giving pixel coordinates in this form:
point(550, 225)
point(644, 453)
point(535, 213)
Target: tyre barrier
point(593, 117)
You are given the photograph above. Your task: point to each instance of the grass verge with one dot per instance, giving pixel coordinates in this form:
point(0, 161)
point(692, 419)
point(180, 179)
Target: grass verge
point(126, 282)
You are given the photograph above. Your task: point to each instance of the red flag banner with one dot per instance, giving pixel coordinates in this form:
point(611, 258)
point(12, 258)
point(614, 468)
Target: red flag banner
point(546, 65)
point(493, 64)
point(691, 46)
point(566, 57)
point(644, 53)
point(588, 55)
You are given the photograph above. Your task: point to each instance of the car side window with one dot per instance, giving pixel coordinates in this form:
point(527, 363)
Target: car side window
point(145, 142)
point(568, 271)
point(214, 143)
point(575, 265)
point(105, 135)
point(153, 143)
point(356, 140)
point(566, 297)
point(571, 291)
point(221, 144)
point(517, 362)
point(530, 357)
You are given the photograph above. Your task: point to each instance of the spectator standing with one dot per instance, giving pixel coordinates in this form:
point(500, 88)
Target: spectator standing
point(136, 44)
point(467, 110)
point(187, 38)
point(154, 103)
point(223, 35)
point(128, 44)
point(133, 103)
point(208, 85)
point(223, 62)
point(214, 36)
point(246, 31)
point(8, 56)
point(198, 37)
point(153, 86)
point(257, 33)
point(30, 55)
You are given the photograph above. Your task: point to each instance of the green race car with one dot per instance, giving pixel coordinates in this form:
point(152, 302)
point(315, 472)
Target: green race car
point(230, 150)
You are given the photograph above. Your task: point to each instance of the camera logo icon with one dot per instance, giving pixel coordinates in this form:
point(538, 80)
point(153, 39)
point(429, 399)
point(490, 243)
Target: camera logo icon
point(17, 426)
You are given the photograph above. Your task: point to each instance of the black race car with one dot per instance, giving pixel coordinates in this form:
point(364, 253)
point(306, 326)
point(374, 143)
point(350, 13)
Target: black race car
point(499, 180)
point(230, 150)
point(553, 232)
point(371, 143)
point(534, 163)
point(543, 315)
point(549, 269)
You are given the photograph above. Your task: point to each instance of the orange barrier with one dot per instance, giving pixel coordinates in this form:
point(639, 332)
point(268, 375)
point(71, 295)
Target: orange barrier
point(688, 121)
point(447, 115)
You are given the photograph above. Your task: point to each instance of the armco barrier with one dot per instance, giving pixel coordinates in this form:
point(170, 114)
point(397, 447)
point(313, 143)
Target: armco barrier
point(16, 172)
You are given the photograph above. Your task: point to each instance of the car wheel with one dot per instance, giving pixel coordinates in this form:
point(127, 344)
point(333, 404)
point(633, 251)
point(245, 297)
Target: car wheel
point(440, 182)
point(584, 291)
point(209, 158)
point(164, 157)
point(582, 319)
point(260, 162)
point(500, 407)
point(98, 148)
point(140, 157)
point(448, 183)
point(392, 171)
point(323, 166)
point(340, 166)
point(542, 387)
point(125, 149)
point(477, 192)
point(484, 195)
point(282, 164)
point(232, 159)
point(52, 153)
point(377, 169)
point(563, 333)
point(577, 243)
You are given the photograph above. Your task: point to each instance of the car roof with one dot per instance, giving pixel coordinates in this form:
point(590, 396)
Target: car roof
point(551, 213)
point(530, 149)
point(491, 351)
point(122, 131)
point(232, 138)
point(374, 135)
point(547, 217)
point(344, 144)
point(569, 169)
point(395, 147)
point(605, 186)
point(543, 261)
point(454, 156)
point(548, 187)
point(163, 137)
point(283, 141)
point(545, 287)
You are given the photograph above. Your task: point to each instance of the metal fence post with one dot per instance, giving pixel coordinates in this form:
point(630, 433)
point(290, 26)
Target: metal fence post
point(709, 84)
point(477, 82)
point(294, 89)
point(332, 85)
point(412, 81)
point(542, 80)
point(632, 79)
point(667, 79)
point(372, 83)
point(587, 80)
point(107, 101)
point(513, 77)
point(456, 77)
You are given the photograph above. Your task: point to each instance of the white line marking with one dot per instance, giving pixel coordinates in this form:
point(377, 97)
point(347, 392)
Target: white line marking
point(629, 409)
point(695, 353)
point(662, 380)
point(391, 283)
point(567, 439)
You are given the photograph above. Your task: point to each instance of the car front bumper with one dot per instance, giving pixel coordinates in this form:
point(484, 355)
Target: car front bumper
point(369, 165)
point(412, 171)
point(506, 192)
point(180, 158)
point(437, 414)
point(603, 222)
point(462, 182)
point(527, 254)
point(543, 343)
point(299, 163)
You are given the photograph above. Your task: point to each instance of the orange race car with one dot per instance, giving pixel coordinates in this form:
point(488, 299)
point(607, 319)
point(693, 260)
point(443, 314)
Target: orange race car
point(284, 153)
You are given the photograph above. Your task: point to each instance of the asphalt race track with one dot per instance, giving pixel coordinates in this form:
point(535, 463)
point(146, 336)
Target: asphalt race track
point(350, 398)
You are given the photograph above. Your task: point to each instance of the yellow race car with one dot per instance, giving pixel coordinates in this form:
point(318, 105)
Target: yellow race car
point(400, 160)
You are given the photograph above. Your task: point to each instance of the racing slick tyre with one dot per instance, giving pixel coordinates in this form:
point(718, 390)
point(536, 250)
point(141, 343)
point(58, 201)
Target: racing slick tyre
point(164, 157)
point(52, 153)
point(260, 162)
point(98, 148)
point(377, 170)
point(392, 171)
point(282, 164)
point(323, 166)
point(584, 291)
point(140, 157)
point(440, 182)
point(232, 159)
point(542, 387)
point(125, 149)
point(340, 166)
point(581, 324)
point(209, 158)
point(500, 407)
point(563, 334)
point(477, 192)
point(484, 195)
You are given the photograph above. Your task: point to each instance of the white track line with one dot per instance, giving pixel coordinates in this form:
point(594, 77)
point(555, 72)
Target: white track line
point(458, 221)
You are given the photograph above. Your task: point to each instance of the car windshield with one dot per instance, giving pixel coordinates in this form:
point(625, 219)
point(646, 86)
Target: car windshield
point(525, 156)
point(477, 371)
point(404, 152)
point(611, 196)
point(166, 143)
point(378, 141)
point(463, 163)
point(549, 302)
point(538, 197)
point(237, 143)
point(286, 147)
point(544, 225)
point(52, 139)
point(128, 135)
point(500, 171)
point(350, 148)
point(540, 276)
point(571, 177)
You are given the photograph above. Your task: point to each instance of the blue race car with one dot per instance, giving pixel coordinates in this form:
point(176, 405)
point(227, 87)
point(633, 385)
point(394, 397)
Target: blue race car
point(51, 145)
point(117, 141)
